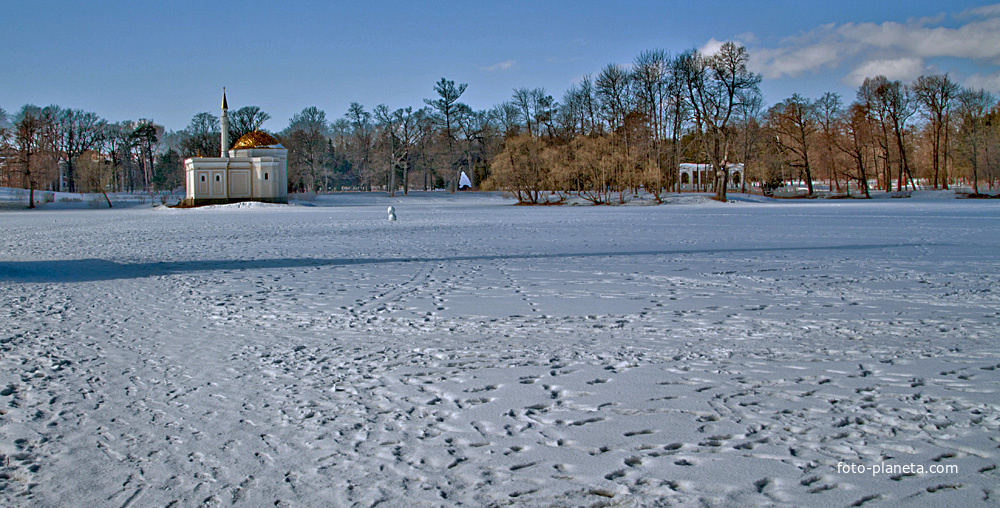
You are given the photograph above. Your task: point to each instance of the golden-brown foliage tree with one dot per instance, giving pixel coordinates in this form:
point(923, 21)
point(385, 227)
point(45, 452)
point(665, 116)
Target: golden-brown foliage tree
point(521, 170)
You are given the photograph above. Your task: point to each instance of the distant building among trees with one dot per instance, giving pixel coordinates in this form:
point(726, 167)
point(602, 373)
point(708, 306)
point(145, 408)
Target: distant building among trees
point(254, 169)
point(624, 130)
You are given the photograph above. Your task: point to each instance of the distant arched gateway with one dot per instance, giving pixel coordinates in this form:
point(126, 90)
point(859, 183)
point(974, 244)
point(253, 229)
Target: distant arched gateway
point(255, 169)
point(693, 176)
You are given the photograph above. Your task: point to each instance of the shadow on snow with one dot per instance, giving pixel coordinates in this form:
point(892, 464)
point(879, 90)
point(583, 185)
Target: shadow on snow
point(92, 270)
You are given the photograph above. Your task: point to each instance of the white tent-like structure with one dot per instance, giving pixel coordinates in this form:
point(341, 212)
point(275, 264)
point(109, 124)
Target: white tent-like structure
point(464, 182)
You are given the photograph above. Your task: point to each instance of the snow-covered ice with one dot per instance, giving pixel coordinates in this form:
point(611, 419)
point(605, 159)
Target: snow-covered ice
point(477, 353)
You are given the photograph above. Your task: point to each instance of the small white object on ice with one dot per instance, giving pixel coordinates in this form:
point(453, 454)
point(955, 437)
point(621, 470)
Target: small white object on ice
point(392, 213)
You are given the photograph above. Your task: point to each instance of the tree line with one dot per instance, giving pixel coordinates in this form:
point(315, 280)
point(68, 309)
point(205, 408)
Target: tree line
point(51, 148)
point(629, 130)
point(612, 135)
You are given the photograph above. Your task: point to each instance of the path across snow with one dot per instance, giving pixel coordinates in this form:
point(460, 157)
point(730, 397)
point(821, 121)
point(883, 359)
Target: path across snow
point(476, 353)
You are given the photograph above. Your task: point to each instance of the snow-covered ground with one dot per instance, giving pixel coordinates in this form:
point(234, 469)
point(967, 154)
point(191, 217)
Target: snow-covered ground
point(476, 353)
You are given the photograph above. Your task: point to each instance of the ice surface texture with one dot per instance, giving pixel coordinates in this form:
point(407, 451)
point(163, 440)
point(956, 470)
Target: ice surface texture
point(481, 354)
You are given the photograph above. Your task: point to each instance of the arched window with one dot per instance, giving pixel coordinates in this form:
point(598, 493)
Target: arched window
point(203, 178)
point(265, 176)
point(218, 178)
point(736, 179)
point(684, 178)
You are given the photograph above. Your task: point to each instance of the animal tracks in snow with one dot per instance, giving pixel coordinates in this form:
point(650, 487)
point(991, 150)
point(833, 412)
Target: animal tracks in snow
point(467, 358)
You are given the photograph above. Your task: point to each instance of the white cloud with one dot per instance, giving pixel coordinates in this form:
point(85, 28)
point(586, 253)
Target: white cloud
point(902, 69)
point(776, 63)
point(747, 38)
point(897, 47)
point(711, 47)
point(502, 66)
point(986, 81)
point(986, 10)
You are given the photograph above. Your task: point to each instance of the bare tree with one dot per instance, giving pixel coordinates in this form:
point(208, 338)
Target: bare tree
point(891, 104)
point(201, 137)
point(307, 137)
point(117, 145)
point(749, 135)
point(245, 120)
point(475, 126)
point(361, 141)
point(795, 123)
point(5, 126)
point(81, 131)
point(521, 169)
point(828, 113)
point(569, 116)
point(869, 99)
point(398, 133)
point(678, 112)
point(27, 134)
point(715, 86)
point(50, 148)
point(6, 163)
point(146, 136)
point(447, 106)
point(545, 109)
point(386, 146)
point(168, 173)
point(536, 108)
point(973, 136)
point(408, 132)
point(522, 101)
point(857, 140)
point(427, 144)
point(651, 75)
point(937, 94)
point(613, 91)
point(900, 106)
point(591, 165)
point(507, 114)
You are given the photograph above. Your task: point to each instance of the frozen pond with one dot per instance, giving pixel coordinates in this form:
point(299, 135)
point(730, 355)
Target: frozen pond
point(477, 353)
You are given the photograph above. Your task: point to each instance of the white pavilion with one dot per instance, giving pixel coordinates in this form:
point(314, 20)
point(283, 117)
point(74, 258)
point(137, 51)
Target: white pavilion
point(694, 175)
point(255, 169)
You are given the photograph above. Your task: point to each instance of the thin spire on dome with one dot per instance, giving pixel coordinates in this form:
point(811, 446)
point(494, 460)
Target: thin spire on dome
point(224, 104)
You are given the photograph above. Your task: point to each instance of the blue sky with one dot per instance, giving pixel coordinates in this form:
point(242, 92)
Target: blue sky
point(169, 60)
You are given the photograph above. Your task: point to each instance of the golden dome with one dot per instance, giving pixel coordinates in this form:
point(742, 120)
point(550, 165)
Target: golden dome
point(255, 139)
